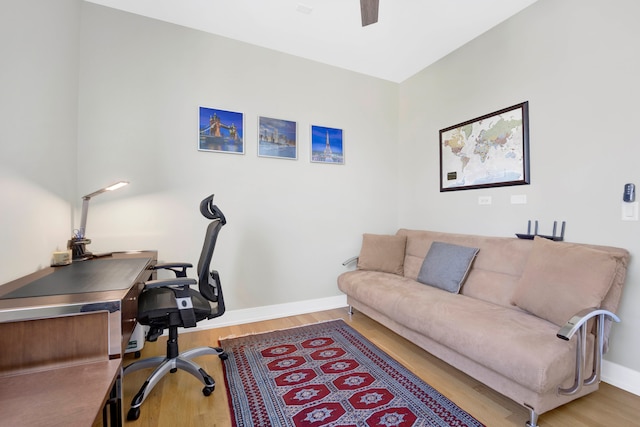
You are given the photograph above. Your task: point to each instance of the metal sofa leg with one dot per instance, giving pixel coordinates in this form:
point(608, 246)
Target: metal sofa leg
point(533, 417)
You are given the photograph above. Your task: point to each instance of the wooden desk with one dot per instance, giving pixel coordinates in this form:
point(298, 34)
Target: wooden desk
point(73, 395)
point(63, 332)
point(32, 403)
point(107, 283)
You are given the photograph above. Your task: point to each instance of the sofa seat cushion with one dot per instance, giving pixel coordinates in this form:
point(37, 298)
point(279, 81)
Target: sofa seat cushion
point(510, 342)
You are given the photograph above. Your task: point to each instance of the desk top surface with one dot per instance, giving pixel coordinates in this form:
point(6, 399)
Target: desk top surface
point(69, 396)
point(107, 274)
point(46, 292)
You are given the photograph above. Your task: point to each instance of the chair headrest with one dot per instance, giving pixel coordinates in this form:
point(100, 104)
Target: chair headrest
point(211, 211)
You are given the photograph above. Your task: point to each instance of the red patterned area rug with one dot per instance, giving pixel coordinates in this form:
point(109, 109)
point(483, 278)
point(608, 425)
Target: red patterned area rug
point(327, 374)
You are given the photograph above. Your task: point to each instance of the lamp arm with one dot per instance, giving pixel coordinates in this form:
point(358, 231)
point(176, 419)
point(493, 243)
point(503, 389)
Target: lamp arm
point(83, 218)
point(78, 241)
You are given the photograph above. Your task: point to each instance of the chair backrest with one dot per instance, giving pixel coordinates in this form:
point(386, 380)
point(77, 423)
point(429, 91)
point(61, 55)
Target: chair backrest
point(209, 290)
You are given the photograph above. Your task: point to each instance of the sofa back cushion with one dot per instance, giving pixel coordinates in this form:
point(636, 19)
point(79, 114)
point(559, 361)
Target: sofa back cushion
point(495, 271)
point(501, 254)
point(495, 274)
point(381, 252)
point(561, 279)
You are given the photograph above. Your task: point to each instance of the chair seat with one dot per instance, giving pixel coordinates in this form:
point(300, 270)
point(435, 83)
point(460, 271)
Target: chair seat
point(157, 307)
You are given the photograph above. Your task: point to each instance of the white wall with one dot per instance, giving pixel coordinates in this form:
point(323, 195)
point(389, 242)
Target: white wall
point(290, 223)
point(38, 116)
point(140, 82)
point(577, 63)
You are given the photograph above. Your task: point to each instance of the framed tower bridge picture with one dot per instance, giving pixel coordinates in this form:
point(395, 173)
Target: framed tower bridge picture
point(221, 131)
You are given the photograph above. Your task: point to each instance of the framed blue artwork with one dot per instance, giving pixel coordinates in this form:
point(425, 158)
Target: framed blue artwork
point(327, 145)
point(221, 131)
point(277, 138)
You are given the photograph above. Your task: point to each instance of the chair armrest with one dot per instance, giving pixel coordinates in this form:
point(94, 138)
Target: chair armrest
point(178, 281)
point(174, 266)
point(350, 260)
point(578, 323)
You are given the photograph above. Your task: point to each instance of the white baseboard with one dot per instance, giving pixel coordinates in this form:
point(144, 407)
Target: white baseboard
point(621, 377)
point(612, 373)
point(257, 314)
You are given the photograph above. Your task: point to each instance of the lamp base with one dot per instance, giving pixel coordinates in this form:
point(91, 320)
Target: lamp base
point(79, 249)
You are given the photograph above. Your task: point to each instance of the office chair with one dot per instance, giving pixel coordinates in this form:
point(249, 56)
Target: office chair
point(171, 303)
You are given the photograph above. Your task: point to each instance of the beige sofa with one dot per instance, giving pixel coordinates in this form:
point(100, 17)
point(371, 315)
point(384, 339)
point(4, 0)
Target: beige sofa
point(519, 319)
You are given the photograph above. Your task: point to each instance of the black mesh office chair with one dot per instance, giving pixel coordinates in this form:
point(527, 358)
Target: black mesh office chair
point(171, 303)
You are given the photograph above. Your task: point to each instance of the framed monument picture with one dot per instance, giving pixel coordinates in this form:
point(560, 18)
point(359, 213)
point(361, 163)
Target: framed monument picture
point(327, 145)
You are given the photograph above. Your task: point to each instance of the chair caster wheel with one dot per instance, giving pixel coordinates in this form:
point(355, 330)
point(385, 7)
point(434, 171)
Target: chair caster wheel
point(223, 356)
point(208, 390)
point(133, 414)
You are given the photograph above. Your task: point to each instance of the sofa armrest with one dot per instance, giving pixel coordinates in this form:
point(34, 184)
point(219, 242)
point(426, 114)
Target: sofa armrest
point(350, 260)
point(579, 319)
point(578, 323)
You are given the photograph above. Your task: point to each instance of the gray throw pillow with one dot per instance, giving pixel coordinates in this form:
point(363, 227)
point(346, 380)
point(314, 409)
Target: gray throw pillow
point(446, 266)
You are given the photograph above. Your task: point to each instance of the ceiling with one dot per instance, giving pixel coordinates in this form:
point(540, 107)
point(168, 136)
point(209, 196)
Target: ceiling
point(409, 36)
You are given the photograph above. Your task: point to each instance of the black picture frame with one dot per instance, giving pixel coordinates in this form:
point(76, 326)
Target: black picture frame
point(488, 151)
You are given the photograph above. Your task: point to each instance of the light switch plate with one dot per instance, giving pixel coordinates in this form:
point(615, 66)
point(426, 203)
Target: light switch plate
point(630, 211)
point(519, 199)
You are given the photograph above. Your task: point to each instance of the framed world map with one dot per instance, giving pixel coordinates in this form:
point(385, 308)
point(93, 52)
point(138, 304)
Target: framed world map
point(488, 151)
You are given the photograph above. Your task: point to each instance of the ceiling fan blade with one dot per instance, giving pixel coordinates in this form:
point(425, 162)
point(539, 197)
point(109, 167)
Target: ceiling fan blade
point(369, 11)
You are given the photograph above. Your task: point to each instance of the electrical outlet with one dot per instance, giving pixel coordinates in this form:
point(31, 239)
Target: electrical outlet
point(484, 200)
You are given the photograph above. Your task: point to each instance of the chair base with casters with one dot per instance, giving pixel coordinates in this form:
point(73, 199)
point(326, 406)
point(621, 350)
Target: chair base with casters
point(172, 303)
point(170, 364)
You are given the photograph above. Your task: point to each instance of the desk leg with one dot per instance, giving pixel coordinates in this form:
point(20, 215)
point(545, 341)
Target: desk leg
point(112, 415)
point(116, 407)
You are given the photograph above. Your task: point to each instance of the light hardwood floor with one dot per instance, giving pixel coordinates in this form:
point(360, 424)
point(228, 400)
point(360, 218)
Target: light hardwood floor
point(178, 400)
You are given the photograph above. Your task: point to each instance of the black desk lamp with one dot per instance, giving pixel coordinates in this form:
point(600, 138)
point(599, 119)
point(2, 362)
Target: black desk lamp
point(78, 242)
